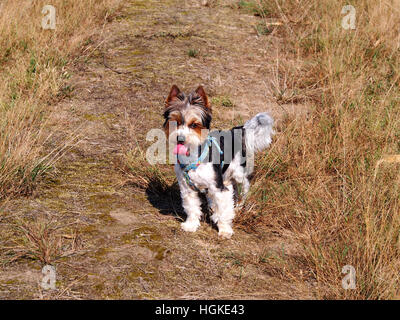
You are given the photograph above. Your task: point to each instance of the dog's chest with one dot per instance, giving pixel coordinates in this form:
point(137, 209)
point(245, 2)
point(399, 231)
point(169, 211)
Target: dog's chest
point(203, 177)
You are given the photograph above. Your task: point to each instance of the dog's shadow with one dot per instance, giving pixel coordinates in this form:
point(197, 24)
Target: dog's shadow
point(168, 201)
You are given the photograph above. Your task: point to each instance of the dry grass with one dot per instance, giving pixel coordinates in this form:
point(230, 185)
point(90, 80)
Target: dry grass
point(325, 178)
point(331, 179)
point(33, 70)
point(43, 239)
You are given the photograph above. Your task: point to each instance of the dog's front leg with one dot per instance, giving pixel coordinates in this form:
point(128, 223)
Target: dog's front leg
point(192, 205)
point(223, 207)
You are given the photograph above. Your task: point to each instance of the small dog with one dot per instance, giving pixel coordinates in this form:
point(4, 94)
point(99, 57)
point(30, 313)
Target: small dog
point(208, 164)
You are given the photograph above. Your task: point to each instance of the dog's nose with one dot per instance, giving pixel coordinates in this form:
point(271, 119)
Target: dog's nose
point(181, 139)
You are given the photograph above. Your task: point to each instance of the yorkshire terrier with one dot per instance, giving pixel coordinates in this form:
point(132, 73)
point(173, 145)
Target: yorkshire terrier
point(215, 163)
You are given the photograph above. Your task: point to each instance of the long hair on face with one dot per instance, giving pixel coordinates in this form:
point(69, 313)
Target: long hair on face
point(191, 113)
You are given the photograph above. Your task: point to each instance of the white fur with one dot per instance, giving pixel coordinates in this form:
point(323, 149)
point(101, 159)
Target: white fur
point(260, 132)
point(221, 202)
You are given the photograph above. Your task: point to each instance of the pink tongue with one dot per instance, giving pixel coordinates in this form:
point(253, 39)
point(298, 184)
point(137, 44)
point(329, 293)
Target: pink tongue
point(180, 149)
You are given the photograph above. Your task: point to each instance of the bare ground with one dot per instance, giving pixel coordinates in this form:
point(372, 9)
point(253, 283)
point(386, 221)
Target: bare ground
point(112, 239)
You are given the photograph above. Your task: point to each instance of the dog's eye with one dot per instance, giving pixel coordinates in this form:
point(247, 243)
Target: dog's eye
point(193, 126)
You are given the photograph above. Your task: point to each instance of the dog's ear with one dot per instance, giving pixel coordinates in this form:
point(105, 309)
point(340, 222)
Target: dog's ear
point(174, 92)
point(200, 91)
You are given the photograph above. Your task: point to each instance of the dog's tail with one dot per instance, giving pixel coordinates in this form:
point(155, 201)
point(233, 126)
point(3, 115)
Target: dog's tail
point(259, 131)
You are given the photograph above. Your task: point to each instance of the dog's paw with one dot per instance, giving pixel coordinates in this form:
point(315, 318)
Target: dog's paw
point(225, 232)
point(190, 226)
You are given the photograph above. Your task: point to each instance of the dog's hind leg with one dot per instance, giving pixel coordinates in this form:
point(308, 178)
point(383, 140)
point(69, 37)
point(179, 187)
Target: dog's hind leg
point(245, 187)
point(242, 180)
point(210, 204)
point(223, 211)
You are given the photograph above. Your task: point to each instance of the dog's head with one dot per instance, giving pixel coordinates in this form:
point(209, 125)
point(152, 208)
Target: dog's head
point(187, 119)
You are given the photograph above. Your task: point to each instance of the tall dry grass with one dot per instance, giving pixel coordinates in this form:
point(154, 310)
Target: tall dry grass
point(328, 177)
point(33, 65)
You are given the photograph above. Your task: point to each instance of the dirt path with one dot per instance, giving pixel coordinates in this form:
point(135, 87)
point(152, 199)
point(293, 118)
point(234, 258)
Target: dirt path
point(112, 239)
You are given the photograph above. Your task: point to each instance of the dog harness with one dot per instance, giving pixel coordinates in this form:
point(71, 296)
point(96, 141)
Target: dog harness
point(193, 166)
